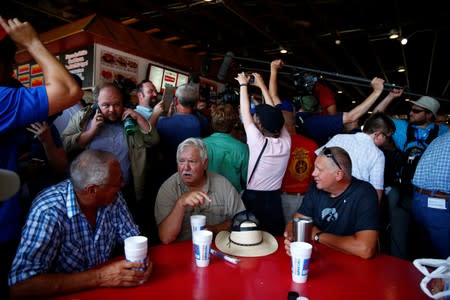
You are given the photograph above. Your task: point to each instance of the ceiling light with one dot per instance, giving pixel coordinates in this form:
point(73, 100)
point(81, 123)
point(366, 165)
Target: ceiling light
point(171, 38)
point(130, 21)
point(339, 92)
point(283, 51)
point(337, 42)
point(404, 41)
point(188, 46)
point(153, 30)
point(401, 69)
point(393, 35)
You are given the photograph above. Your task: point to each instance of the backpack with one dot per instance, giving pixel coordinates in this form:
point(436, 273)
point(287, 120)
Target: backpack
point(413, 153)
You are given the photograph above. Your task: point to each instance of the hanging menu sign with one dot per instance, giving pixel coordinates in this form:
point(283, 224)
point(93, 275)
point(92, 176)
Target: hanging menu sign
point(81, 63)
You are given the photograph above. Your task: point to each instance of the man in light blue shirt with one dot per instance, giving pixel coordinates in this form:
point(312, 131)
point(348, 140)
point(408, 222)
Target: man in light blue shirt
point(431, 199)
point(147, 97)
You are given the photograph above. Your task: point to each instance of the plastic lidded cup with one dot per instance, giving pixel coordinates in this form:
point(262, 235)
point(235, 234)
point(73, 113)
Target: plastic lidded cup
point(136, 249)
point(198, 222)
point(300, 258)
point(202, 244)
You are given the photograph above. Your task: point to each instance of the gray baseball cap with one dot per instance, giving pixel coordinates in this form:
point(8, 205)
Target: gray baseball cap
point(428, 103)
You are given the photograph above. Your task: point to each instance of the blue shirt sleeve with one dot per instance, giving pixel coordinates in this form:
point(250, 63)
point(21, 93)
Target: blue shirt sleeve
point(22, 106)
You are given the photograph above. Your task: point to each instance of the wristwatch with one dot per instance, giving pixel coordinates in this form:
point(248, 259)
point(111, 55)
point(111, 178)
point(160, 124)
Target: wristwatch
point(317, 236)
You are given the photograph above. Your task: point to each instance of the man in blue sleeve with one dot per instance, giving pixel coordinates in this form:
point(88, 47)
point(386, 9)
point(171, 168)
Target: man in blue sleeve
point(19, 107)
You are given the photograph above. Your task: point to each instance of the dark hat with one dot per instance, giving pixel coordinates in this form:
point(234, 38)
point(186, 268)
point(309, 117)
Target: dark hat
point(286, 105)
point(246, 238)
point(310, 103)
point(271, 117)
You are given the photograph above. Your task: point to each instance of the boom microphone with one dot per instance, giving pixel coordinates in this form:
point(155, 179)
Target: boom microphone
point(225, 65)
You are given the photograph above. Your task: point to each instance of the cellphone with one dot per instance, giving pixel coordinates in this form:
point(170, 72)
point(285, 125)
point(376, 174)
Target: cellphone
point(251, 80)
point(167, 97)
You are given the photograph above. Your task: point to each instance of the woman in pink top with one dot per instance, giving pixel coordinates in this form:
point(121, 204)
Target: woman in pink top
point(269, 146)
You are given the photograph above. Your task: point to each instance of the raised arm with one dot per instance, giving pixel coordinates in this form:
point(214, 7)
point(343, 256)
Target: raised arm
point(62, 90)
point(259, 82)
point(395, 93)
point(273, 83)
point(353, 115)
point(244, 102)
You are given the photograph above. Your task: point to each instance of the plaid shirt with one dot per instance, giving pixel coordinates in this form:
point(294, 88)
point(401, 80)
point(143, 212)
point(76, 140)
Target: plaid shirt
point(433, 170)
point(58, 238)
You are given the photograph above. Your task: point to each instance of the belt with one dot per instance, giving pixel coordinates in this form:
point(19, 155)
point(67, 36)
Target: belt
point(435, 194)
point(292, 194)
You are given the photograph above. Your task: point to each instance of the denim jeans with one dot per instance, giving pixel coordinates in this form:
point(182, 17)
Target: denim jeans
point(435, 220)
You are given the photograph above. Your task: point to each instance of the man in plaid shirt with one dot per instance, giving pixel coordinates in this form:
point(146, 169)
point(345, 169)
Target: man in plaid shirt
point(72, 228)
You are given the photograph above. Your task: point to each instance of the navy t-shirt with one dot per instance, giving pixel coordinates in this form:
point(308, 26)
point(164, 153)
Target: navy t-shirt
point(320, 128)
point(354, 210)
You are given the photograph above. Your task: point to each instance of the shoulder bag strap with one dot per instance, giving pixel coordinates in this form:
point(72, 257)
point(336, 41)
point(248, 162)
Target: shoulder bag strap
point(257, 161)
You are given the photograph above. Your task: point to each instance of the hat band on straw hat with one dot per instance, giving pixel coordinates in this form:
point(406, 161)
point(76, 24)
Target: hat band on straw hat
point(240, 244)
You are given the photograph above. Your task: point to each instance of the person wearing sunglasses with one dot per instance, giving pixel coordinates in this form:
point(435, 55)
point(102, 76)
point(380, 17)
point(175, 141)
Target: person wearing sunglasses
point(363, 147)
point(412, 138)
point(344, 209)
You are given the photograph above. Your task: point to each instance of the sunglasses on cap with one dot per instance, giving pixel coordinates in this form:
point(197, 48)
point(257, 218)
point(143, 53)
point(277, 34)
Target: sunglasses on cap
point(327, 152)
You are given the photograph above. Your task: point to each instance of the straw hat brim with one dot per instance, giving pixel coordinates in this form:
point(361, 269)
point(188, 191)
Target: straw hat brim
point(268, 246)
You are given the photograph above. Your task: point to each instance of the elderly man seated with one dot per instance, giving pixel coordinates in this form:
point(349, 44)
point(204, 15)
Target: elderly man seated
point(193, 190)
point(71, 232)
point(344, 209)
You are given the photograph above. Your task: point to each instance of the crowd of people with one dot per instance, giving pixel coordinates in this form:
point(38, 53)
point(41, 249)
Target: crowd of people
point(111, 169)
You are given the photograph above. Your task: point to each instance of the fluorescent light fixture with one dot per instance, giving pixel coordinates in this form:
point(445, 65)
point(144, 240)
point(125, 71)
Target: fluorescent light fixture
point(130, 21)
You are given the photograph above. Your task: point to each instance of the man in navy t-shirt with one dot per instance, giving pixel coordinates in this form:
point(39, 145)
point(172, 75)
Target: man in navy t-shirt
point(344, 209)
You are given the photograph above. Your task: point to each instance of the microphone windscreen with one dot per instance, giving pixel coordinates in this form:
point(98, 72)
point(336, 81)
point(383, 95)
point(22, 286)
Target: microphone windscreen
point(227, 60)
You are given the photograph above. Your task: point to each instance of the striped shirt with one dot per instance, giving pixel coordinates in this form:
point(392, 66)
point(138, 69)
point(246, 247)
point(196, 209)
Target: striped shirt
point(57, 237)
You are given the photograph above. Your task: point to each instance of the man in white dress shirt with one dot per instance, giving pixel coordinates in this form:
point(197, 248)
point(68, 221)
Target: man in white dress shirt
point(367, 158)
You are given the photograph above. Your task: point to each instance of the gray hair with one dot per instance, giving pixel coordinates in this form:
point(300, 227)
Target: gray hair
point(187, 94)
point(196, 143)
point(343, 159)
point(90, 167)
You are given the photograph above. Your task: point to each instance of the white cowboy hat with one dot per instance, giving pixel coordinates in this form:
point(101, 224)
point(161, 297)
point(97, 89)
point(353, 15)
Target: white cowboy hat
point(246, 239)
point(9, 184)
